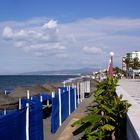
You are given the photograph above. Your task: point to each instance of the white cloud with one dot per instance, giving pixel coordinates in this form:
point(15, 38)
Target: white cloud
point(47, 46)
point(77, 41)
point(92, 50)
point(50, 25)
point(7, 32)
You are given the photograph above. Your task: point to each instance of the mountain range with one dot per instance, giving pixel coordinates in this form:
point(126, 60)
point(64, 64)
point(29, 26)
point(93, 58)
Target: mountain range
point(82, 71)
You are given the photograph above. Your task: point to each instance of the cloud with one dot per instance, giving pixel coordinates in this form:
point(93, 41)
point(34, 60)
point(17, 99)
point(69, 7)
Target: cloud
point(50, 25)
point(77, 41)
point(92, 50)
point(7, 32)
point(40, 40)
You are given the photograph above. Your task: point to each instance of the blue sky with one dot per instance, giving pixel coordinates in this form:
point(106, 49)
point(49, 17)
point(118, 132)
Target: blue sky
point(52, 35)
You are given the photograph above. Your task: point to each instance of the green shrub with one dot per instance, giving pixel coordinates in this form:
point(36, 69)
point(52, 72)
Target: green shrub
point(106, 120)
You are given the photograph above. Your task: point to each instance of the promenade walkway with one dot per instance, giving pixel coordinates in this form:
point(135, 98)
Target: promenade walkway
point(130, 89)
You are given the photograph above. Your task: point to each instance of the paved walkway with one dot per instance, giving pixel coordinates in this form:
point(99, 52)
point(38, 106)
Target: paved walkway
point(132, 87)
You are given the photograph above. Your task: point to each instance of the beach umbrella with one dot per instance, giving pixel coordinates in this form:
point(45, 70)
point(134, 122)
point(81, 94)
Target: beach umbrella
point(49, 88)
point(56, 86)
point(21, 92)
point(7, 102)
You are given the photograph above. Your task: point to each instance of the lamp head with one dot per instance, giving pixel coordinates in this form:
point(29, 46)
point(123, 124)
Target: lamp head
point(112, 53)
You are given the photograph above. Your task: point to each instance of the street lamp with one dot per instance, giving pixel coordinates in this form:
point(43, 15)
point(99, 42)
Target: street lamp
point(110, 67)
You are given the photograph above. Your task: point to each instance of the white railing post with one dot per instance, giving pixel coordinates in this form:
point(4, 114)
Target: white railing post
point(19, 103)
point(72, 85)
point(41, 98)
point(60, 117)
point(67, 88)
point(53, 95)
point(64, 84)
point(27, 121)
point(4, 111)
point(5, 92)
point(47, 102)
point(28, 94)
point(78, 92)
point(69, 100)
point(86, 83)
point(88, 86)
point(81, 91)
point(75, 96)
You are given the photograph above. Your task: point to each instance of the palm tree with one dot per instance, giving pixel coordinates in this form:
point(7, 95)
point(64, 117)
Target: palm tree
point(128, 63)
point(136, 63)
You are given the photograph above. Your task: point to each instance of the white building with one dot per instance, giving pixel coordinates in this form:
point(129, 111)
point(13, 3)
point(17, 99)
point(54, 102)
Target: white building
point(135, 54)
point(132, 56)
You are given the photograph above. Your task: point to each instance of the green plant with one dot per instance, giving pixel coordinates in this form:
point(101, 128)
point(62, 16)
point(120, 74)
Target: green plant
point(136, 63)
point(105, 120)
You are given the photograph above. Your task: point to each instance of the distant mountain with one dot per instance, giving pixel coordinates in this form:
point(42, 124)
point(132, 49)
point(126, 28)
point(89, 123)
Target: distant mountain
point(62, 72)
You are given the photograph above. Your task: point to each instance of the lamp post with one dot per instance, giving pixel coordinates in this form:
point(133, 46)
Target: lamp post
point(110, 67)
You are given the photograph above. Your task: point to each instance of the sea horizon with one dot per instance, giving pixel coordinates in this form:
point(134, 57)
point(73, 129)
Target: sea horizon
point(10, 82)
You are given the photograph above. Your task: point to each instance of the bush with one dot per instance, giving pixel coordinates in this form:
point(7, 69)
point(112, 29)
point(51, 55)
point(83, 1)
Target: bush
point(105, 121)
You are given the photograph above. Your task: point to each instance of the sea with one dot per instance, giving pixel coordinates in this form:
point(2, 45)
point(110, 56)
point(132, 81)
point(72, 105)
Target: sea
point(10, 82)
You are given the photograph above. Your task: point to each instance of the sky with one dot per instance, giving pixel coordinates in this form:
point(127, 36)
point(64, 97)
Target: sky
point(40, 35)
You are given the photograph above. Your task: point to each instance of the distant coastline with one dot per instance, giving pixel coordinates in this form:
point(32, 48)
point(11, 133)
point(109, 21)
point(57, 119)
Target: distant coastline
point(62, 72)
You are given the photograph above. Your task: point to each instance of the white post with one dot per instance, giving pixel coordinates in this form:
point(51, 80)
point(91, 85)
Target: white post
point(75, 96)
point(60, 117)
point(64, 84)
point(19, 103)
point(81, 91)
point(53, 95)
point(78, 92)
point(5, 92)
point(41, 98)
point(133, 75)
point(27, 121)
point(31, 98)
point(72, 85)
point(47, 102)
point(84, 86)
point(69, 101)
point(67, 88)
point(28, 94)
point(88, 86)
point(4, 111)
